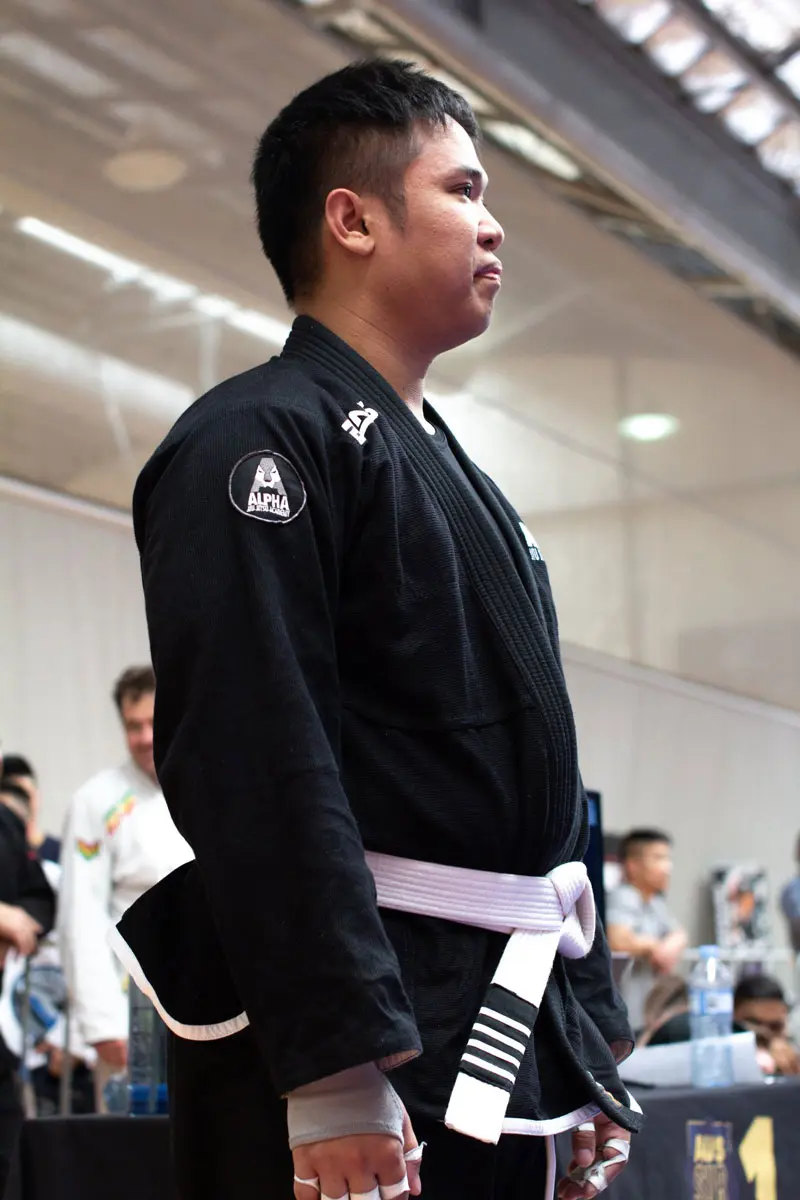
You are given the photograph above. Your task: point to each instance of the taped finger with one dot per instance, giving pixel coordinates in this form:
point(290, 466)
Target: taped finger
point(414, 1155)
point(312, 1183)
point(597, 1178)
point(392, 1190)
point(373, 1194)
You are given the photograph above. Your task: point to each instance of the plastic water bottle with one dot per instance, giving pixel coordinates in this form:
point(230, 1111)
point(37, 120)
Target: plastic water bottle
point(147, 1056)
point(711, 1020)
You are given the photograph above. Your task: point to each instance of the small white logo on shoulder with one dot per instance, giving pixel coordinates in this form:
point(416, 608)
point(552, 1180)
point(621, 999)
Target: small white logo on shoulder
point(532, 544)
point(358, 422)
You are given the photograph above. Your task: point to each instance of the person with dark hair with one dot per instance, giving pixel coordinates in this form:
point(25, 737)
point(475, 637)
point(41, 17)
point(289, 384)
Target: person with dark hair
point(18, 770)
point(119, 839)
point(27, 910)
point(363, 727)
point(759, 1004)
point(638, 919)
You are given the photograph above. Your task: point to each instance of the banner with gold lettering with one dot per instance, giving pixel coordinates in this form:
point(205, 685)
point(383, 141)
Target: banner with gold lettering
point(709, 1161)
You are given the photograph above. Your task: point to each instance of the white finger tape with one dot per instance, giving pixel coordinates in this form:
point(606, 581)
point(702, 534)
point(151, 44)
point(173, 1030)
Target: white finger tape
point(414, 1155)
point(587, 1127)
point(312, 1183)
point(597, 1178)
point(375, 1194)
point(393, 1190)
point(622, 1147)
point(346, 1196)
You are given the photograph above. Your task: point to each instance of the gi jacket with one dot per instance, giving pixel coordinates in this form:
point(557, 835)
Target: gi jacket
point(356, 646)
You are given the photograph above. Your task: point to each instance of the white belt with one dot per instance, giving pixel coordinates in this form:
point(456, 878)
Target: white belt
point(554, 914)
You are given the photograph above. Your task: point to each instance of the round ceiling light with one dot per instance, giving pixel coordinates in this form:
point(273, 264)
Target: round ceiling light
point(145, 170)
point(648, 427)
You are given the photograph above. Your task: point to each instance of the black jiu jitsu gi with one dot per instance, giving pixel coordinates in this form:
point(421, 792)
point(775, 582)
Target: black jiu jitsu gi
point(356, 646)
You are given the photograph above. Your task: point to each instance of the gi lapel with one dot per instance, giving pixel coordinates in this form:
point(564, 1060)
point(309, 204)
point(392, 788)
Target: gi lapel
point(510, 533)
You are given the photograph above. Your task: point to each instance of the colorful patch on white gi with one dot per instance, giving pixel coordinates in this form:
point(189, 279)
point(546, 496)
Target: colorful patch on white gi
point(531, 543)
point(88, 850)
point(266, 486)
point(118, 812)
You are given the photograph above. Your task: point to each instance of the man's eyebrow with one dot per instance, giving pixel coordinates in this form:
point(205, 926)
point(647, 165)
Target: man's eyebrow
point(474, 173)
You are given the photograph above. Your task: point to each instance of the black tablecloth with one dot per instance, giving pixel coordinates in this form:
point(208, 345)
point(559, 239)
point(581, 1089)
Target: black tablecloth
point(674, 1158)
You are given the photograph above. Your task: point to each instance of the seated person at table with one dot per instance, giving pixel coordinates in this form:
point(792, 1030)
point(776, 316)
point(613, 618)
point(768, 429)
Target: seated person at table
point(760, 1005)
point(638, 920)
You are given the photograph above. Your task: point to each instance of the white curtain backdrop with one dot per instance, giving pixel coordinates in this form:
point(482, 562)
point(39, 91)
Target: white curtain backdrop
point(71, 619)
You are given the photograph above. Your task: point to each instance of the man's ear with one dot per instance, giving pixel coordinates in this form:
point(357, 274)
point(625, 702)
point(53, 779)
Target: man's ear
point(347, 223)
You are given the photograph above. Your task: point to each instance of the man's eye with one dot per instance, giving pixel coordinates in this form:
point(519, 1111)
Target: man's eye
point(467, 189)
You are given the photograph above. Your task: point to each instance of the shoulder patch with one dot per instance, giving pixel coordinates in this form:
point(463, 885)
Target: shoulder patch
point(88, 850)
point(266, 486)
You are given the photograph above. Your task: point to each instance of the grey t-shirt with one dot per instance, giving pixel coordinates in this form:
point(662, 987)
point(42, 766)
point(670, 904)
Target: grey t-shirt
point(647, 918)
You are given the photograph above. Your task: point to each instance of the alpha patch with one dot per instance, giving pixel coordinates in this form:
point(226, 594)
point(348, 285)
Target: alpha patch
point(266, 486)
point(88, 850)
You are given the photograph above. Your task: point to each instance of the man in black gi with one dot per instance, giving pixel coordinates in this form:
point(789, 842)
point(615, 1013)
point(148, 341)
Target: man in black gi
point(359, 686)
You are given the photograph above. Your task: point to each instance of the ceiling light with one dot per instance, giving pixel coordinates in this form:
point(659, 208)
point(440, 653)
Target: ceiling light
point(250, 321)
point(123, 270)
point(523, 141)
point(213, 306)
point(648, 427)
point(145, 170)
point(166, 288)
point(54, 65)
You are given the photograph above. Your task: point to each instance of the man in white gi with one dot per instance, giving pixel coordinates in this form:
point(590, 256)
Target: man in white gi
point(119, 840)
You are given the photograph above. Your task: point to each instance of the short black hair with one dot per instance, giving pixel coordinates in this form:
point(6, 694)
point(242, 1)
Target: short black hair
point(758, 987)
point(15, 765)
point(637, 839)
point(134, 683)
point(356, 129)
point(7, 788)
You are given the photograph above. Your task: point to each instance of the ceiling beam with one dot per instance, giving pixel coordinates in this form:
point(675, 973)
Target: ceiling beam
point(747, 59)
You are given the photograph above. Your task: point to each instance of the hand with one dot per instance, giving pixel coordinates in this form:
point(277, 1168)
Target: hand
point(19, 928)
point(113, 1052)
point(589, 1146)
point(665, 956)
point(621, 1049)
point(785, 1056)
point(356, 1164)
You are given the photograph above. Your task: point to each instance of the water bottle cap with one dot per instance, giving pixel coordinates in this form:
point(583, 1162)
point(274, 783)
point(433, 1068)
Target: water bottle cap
point(708, 951)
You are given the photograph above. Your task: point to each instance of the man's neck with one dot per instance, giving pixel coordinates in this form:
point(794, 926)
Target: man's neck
point(402, 369)
point(646, 893)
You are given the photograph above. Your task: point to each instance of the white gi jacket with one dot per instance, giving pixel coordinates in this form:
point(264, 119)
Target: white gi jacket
point(119, 841)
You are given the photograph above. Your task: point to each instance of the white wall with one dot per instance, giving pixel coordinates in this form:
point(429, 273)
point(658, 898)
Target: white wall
point(71, 619)
point(719, 772)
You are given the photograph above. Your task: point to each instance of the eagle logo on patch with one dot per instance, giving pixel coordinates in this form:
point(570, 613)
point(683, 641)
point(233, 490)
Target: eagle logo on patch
point(266, 486)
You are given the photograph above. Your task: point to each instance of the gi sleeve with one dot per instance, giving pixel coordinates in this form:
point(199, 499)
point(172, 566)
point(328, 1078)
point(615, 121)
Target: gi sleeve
point(593, 984)
point(93, 980)
point(241, 539)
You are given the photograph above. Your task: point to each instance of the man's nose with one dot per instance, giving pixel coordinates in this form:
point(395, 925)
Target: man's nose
point(491, 235)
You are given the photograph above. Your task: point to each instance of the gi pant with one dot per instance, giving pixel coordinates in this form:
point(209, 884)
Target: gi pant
point(229, 1136)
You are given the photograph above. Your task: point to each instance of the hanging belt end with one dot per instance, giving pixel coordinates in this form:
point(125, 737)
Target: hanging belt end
point(477, 1109)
